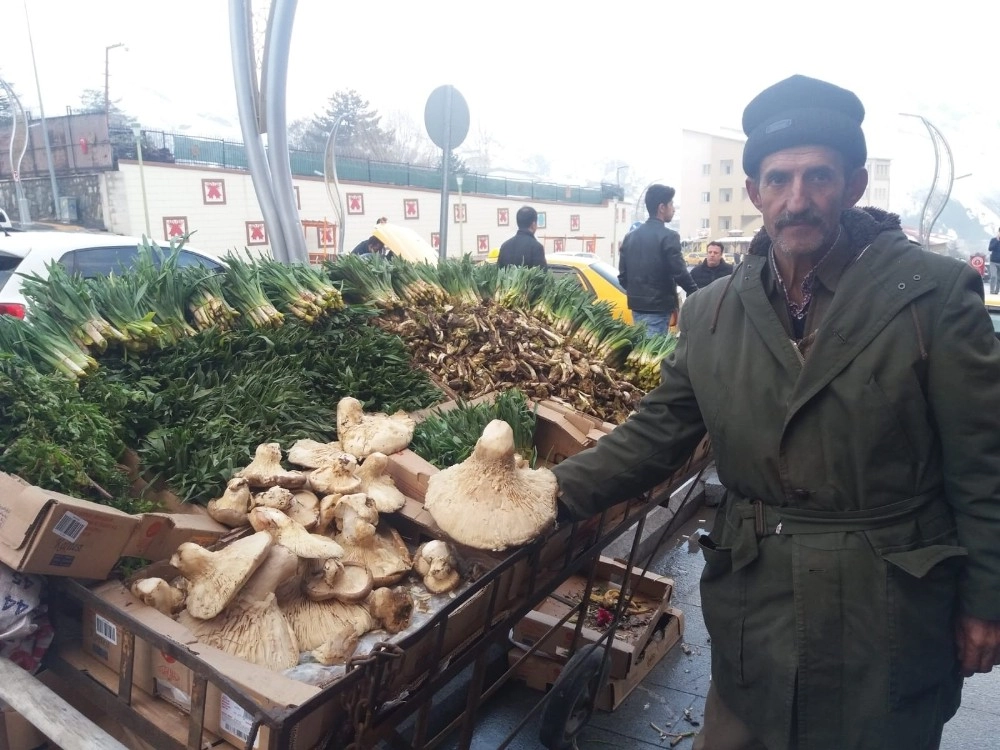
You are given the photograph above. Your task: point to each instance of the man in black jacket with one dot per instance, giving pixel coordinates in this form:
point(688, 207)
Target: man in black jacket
point(523, 249)
point(995, 264)
point(651, 265)
point(712, 268)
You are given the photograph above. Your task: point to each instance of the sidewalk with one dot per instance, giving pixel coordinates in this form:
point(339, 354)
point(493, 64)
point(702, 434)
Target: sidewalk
point(680, 681)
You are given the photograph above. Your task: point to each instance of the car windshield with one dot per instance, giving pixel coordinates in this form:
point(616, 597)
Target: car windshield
point(8, 264)
point(608, 273)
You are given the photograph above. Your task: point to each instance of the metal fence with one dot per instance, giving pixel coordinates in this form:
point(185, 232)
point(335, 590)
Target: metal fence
point(184, 149)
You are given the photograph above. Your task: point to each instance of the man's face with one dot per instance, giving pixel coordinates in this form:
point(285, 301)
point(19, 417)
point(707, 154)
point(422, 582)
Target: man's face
point(801, 192)
point(666, 212)
point(713, 256)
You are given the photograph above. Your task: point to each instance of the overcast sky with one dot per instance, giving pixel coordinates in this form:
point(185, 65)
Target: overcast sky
point(581, 87)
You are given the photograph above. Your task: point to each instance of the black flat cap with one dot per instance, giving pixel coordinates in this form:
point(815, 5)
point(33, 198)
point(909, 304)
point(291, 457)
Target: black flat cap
point(803, 111)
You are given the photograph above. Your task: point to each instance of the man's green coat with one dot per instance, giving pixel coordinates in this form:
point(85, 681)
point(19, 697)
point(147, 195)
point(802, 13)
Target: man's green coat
point(875, 461)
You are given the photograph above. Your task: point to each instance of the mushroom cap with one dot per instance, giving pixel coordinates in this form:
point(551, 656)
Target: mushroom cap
point(314, 622)
point(291, 534)
point(436, 562)
point(216, 577)
point(231, 509)
point(275, 497)
point(266, 470)
point(392, 609)
point(351, 583)
point(336, 477)
point(378, 484)
point(384, 554)
point(311, 454)
point(363, 434)
point(157, 593)
point(487, 502)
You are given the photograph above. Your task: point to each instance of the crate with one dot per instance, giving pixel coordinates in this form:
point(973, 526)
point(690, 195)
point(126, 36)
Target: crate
point(540, 627)
point(540, 671)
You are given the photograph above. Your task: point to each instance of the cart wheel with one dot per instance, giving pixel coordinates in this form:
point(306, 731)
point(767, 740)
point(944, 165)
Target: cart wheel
point(571, 700)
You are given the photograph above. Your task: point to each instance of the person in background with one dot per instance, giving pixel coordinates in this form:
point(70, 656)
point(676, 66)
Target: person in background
point(995, 264)
point(650, 264)
point(850, 385)
point(371, 246)
point(523, 249)
point(381, 220)
point(712, 268)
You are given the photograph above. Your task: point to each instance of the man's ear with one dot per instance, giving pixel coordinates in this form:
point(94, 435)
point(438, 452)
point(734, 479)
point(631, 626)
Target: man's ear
point(753, 191)
point(857, 183)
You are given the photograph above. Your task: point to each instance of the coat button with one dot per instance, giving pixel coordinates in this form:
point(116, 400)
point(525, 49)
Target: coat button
point(916, 277)
point(801, 494)
point(901, 285)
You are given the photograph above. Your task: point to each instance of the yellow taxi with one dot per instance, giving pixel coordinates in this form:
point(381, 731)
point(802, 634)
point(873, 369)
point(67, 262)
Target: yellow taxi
point(599, 279)
point(993, 306)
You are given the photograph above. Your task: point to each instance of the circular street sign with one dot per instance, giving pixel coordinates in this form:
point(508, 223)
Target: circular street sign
point(443, 105)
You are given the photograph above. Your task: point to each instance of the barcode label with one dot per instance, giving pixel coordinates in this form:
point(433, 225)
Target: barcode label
point(235, 720)
point(106, 630)
point(70, 527)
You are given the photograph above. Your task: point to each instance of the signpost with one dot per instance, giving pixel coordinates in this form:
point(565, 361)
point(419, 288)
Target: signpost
point(446, 117)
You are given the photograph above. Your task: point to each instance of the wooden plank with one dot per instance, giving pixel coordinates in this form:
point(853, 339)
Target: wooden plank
point(54, 717)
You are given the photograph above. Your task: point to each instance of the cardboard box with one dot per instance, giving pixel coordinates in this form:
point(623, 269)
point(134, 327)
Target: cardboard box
point(103, 638)
point(54, 534)
point(158, 535)
point(170, 681)
point(541, 672)
point(651, 591)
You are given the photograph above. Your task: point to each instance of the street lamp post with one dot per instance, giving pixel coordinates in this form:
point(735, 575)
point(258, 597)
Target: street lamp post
point(107, 98)
point(137, 132)
point(41, 112)
point(461, 235)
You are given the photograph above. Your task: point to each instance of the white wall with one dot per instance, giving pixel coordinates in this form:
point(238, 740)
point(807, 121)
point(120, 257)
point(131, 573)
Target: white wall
point(174, 193)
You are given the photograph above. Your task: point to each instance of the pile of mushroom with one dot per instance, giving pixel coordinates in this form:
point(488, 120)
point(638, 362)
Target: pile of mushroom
point(490, 501)
point(316, 570)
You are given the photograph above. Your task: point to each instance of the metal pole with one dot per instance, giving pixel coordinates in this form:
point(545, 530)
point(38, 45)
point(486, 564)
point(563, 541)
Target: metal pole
point(107, 87)
point(137, 132)
point(23, 208)
point(461, 224)
point(445, 164)
point(279, 40)
point(41, 111)
point(244, 76)
point(330, 178)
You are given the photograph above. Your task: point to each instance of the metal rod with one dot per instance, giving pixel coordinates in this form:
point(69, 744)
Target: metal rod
point(445, 165)
point(244, 75)
point(279, 40)
point(142, 180)
point(41, 111)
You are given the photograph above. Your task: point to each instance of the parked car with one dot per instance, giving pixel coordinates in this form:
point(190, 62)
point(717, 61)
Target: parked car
point(89, 254)
point(993, 306)
point(597, 278)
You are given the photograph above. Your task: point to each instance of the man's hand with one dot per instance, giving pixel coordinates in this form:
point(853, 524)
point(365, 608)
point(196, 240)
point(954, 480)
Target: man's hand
point(978, 644)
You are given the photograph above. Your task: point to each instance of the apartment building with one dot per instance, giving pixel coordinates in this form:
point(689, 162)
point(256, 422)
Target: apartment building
point(712, 198)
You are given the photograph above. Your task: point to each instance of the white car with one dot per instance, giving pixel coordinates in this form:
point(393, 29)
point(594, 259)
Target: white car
point(89, 254)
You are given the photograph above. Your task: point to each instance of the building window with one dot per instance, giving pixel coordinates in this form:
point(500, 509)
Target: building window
point(726, 165)
point(706, 197)
point(726, 195)
point(706, 223)
point(882, 171)
point(880, 194)
point(706, 169)
point(725, 223)
point(744, 195)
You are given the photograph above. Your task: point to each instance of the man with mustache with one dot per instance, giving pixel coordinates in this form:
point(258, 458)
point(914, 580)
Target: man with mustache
point(850, 383)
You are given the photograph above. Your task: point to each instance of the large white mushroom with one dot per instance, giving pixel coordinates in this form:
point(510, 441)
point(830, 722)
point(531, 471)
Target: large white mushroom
point(291, 534)
point(379, 548)
point(214, 578)
point(363, 434)
point(231, 509)
point(486, 501)
point(266, 470)
point(435, 562)
point(252, 627)
point(312, 454)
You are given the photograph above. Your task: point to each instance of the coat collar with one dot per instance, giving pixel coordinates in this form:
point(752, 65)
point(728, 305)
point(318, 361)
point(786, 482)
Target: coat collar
point(886, 276)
